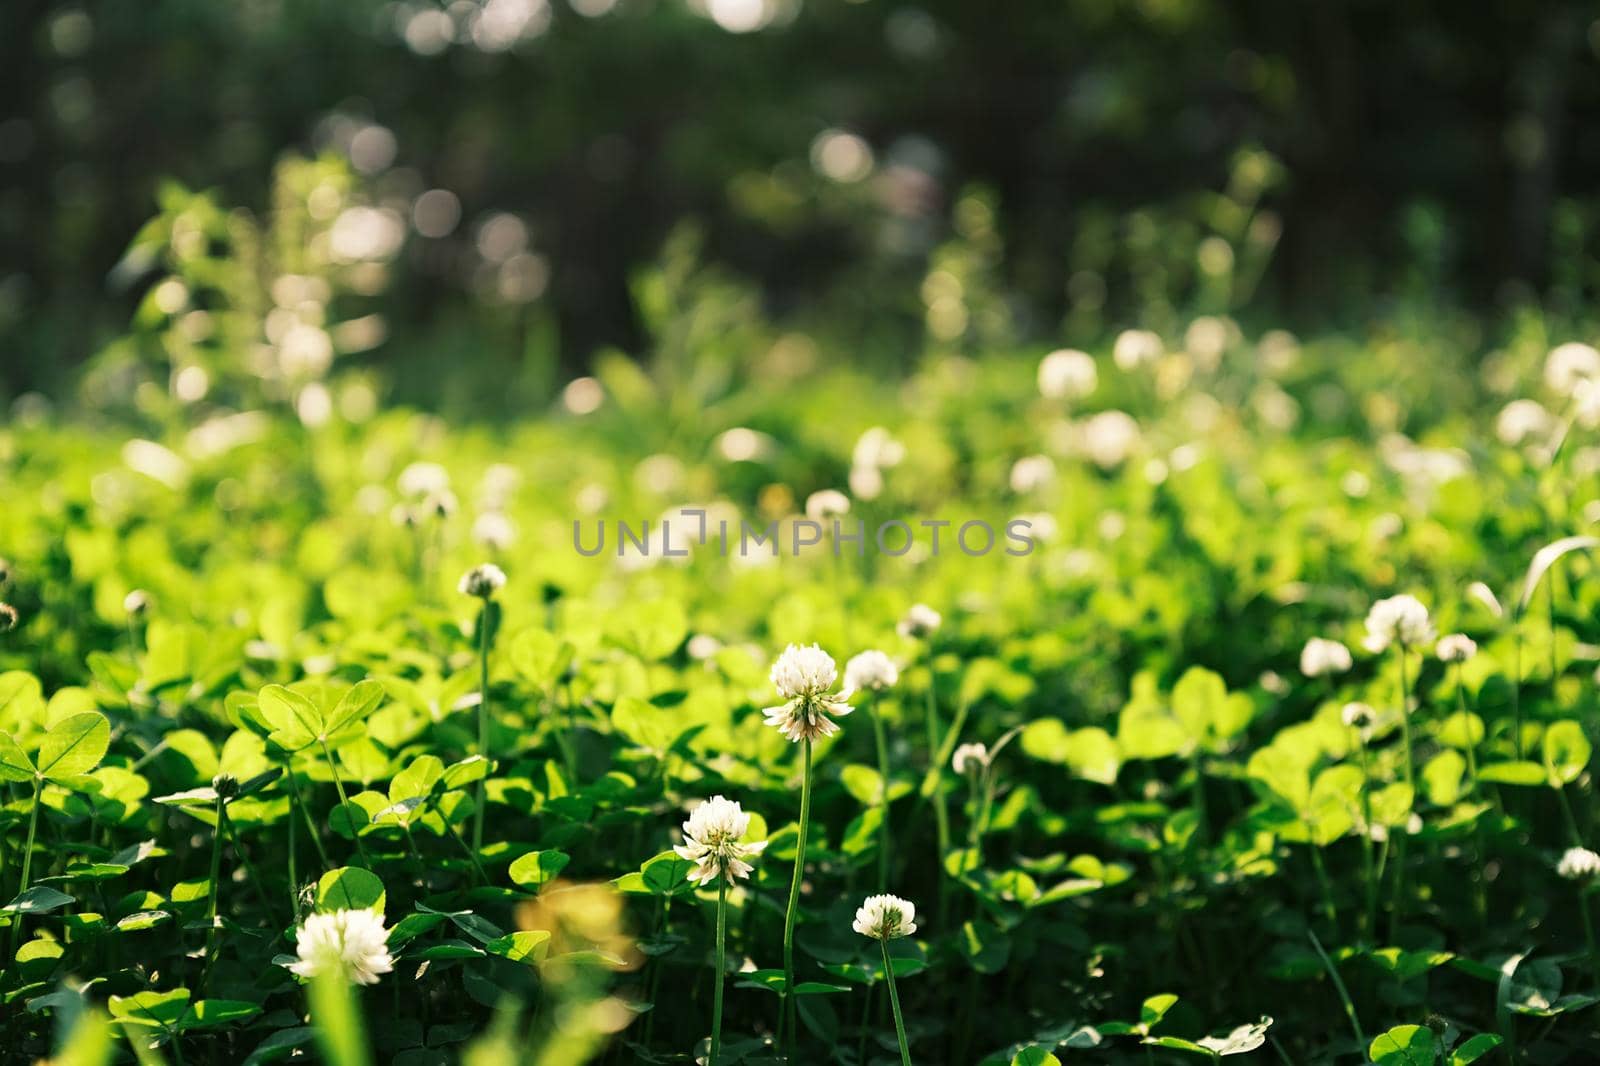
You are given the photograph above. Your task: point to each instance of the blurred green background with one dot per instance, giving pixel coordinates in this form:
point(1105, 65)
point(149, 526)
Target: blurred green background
point(549, 171)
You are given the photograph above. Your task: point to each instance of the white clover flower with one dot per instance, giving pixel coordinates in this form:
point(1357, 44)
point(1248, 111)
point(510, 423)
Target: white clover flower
point(871, 671)
point(703, 646)
point(885, 917)
point(1109, 438)
point(712, 841)
point(1521, 420)
point(136, 602)
point(494, 531)
point(1398, 619)
point(1567, 364)
point(482, 581)
point(866, 482)
point(1135, 348)
point(876, 448)
point(920, 621)
point(1067, 374)
point(1586, 404)
point(1038, 526)
point(969, 757)
point(499, 484)
point(803, 676)
point(353, 942)
point(1032, 472)
point(1456, 648)
point(8, 618)
point(1357, 715)
point(1321, 656)
point(827, 503)
point(424, 479)
point(1579, 864)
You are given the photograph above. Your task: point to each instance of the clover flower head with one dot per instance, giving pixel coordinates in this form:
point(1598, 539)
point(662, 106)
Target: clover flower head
point(826, 503)
point(885, 917)
point(482, 581)
point(494, 531)
point(1135, 348)
point(1109, 438)
point(420, 480)
point(1567, 364)
point(871, 671)
point(803, 675)
point(8, 618)
point(1456, 648)
point(1399, 620)
point(1067, 374)
point(1321, 656)
point(712, 841)
point(972, 757)
point(1357, 715)
point(1579, 864)
point(351, 942)
point(136, 603)
point(440, 504)
point(920, 621)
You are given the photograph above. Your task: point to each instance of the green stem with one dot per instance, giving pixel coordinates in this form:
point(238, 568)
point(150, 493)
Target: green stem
point(1369, 871)
point(882, 745)
point(211, 908)
point(256, 882)
point(721, 971)
point(1403, 830)
point(483, 722)
point(1338, 984)
point(311, 827)
point(1327, 887)
point(472, 855)
point(1466, 729)
point(894, 1002)
point(1566, 816)
point(1516, 685)
point(27, 865)
point(1588, 936)
point(941, 813)
point(789, 1011)
point(344, 801)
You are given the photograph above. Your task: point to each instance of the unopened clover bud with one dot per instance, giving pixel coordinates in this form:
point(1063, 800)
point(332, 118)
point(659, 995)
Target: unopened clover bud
point(225, 785)
point(136, 603)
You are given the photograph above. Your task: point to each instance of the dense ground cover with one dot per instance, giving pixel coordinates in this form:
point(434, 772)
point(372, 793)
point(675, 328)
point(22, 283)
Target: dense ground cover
point(247, 686)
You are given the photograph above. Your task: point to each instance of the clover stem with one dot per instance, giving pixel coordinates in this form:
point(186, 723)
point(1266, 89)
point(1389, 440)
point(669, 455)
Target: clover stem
point(1338, 985)
point(721, 972)
point(882, 745)
point(1588, 934)
point(941, 813)
point(1404, 830)
point(1516, 684)
point(1369, 870)
point(211, 905)
point(249, 868)
point(311, 827)
point(1326, 886)
point(790, 1015)
point(344, 802)
point(483, 722)
point(894, 1002)
point(1466, 729)
point(476, 865)
point(27, 863)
